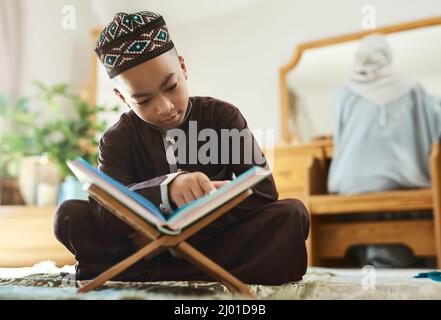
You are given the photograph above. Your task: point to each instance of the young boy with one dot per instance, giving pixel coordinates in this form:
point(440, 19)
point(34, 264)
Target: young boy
point(261, 241)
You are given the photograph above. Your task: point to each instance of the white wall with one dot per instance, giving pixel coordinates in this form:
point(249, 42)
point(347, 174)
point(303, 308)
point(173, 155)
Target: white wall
point(237, 57)
point(234, 56)
point(52, 54)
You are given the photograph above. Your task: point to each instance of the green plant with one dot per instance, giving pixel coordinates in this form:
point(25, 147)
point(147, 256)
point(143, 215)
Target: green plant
point(16, 134)
point(61, 138)
point(67, 138)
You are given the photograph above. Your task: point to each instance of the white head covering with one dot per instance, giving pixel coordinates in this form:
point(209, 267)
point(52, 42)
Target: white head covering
point(373, 76)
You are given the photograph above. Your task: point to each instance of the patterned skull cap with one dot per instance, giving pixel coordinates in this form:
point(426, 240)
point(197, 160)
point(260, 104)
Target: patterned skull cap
point(131, 39)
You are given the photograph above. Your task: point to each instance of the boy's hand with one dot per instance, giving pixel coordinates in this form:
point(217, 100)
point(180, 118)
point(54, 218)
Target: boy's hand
point(191, 186)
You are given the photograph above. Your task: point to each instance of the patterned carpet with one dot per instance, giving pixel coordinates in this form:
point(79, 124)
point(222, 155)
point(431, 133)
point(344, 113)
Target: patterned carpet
point(45, 281)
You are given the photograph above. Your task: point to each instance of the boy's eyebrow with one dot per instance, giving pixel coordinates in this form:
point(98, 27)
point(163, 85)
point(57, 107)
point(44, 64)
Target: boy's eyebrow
point(167, 79)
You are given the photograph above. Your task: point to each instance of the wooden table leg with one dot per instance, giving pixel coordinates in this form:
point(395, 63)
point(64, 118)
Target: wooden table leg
point(148, 251)
point(213, 269)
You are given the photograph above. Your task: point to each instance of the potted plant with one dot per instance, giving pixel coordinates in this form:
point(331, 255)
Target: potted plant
point(67, 138)
point(29, 144)
point(16, 142)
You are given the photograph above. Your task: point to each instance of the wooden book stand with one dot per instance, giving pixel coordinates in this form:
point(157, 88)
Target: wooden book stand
point(161, 242)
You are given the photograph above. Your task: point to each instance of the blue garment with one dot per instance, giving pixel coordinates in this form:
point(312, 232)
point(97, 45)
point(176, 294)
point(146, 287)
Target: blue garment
point(434, 275)
point(382, 148)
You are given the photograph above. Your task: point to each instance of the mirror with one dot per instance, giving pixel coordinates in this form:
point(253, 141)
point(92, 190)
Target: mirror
point(318, 68)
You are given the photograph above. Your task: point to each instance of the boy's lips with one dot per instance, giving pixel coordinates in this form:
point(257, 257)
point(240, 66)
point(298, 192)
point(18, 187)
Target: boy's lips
point(172, 118)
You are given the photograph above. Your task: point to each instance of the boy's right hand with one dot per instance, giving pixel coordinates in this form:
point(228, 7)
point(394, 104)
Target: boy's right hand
point(187, 187)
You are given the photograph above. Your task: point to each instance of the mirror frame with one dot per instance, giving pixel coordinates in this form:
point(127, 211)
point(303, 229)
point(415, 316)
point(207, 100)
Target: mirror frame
point(94, 68)
point(287, 136)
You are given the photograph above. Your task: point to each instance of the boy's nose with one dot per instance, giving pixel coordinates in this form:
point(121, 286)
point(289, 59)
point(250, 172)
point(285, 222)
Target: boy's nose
point(163, 107)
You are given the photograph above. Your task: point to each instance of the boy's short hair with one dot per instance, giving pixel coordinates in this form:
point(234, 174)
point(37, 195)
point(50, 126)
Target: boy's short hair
point(131, 39)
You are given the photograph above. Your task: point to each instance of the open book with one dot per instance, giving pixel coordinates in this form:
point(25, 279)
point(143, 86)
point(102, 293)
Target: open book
point(174, 222)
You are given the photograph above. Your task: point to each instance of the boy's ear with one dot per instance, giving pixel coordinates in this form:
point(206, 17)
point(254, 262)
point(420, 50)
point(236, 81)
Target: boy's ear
point(119, 95)
point(183, 67)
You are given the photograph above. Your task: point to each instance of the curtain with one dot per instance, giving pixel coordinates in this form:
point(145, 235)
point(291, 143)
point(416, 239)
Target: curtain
point(10, 47)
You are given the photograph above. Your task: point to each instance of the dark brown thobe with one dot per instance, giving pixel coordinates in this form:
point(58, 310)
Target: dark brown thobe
point(260, 241)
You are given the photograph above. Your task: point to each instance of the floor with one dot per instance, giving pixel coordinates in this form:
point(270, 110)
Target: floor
point(46, 281)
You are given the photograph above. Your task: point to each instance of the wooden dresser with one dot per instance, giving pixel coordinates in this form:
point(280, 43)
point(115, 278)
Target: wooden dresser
point(290, 164)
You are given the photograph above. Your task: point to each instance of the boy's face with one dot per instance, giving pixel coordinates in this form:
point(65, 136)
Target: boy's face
point(156, 90)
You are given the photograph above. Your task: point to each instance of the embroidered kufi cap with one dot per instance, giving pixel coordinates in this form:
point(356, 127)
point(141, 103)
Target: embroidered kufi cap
point(131, 39)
